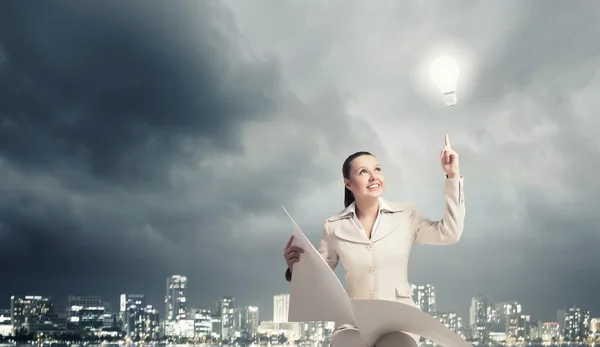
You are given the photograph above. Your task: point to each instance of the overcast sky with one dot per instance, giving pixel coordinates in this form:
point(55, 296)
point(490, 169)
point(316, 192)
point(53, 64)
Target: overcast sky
point(141, 141)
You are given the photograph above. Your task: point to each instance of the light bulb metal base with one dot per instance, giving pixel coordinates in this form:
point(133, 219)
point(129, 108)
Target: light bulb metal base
point(450, 98)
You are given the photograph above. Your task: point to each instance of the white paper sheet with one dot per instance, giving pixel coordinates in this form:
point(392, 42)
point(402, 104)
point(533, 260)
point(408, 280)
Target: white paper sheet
point(375, 318)
point(316, 292)
point(317, 295)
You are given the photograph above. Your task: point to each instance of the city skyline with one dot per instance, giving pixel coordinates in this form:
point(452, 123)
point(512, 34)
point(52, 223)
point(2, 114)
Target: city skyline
point(37, 318)
point(137, 142)
point(138, 319)
point(270, 314)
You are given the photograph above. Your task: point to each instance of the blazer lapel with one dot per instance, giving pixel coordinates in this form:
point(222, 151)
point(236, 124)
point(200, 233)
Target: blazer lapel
point(389, 219)
point(346, 230)
point(388, 222)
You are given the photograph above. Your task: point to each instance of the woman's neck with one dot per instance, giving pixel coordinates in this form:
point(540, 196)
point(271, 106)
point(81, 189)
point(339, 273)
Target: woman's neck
point(367, 208)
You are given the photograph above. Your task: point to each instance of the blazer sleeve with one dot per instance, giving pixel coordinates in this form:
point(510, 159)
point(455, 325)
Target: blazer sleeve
point(325, 249)
point(449, 229)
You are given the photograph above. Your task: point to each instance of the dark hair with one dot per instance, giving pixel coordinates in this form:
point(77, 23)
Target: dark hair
point(348, 196)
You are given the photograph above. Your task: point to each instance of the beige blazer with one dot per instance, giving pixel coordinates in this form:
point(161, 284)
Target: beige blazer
point(377, 268)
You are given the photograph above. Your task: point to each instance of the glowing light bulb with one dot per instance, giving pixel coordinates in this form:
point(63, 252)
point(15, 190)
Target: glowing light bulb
point(445, 72)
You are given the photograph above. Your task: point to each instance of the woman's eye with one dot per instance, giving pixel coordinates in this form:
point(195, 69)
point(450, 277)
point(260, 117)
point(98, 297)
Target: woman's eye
point(363, 171)
point(378, 169)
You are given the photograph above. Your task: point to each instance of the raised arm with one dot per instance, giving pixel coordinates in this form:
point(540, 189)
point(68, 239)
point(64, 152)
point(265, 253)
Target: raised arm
point(449, 229)
point(327, 252)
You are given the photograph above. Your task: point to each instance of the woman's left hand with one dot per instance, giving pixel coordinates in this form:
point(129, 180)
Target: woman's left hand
point(449, 160)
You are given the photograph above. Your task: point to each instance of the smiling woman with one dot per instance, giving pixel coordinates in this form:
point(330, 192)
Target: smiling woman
point(373, 237)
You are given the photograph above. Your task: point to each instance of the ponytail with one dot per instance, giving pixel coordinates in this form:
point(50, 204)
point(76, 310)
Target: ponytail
point(348, 197)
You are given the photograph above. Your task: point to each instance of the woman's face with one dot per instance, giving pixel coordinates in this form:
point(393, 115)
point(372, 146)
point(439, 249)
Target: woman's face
point(366, 178)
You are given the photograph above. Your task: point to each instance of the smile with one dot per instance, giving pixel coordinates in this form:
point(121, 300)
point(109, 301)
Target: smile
point(374, 186)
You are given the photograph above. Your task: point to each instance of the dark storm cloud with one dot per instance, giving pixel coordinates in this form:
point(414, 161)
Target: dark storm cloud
point(117, 94)
point(127, 152)
point(147, 141)
point(98, 103)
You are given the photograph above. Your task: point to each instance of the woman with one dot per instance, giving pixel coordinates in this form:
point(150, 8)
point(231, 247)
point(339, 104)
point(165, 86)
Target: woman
point(372, 237)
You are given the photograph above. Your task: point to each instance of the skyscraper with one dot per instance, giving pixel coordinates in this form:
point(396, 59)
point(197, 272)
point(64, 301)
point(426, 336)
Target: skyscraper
point(246, 319)
point(78, 305)
point(424, 297)
point(175, 300)
point(84, 300)
point(281, 307)
point(226, 312)
point(576, 323)
point(29, 308)
point(131, 307)
point(500, 314)
point(478, 319)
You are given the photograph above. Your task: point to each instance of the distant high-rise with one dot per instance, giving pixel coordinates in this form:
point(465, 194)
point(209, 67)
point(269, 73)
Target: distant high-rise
point(246, 319)
point(478, 319)
point(84, 301)
point(561, 318)
point(576, 323)
point(549, 330)
point(5, 323)
point(594, 326)
point(424, 297)
point(499, 313)
point(29, 308)
point(175, 300)
point(127, 301)
point(87, 312)
point(509, 308)
point(281, 307)
point(130, 307)
point(251, 319)
point(450, 320)
point(478, 310)
point(138, 318)
point(225, 310)
point(202, 322)
point(518, 326)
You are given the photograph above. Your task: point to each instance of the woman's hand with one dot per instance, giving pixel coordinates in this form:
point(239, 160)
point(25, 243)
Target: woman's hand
point(449, 160)
point(291, 253)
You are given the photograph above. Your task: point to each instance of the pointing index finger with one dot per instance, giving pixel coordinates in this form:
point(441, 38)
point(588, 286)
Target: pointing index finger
point(447, 141)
